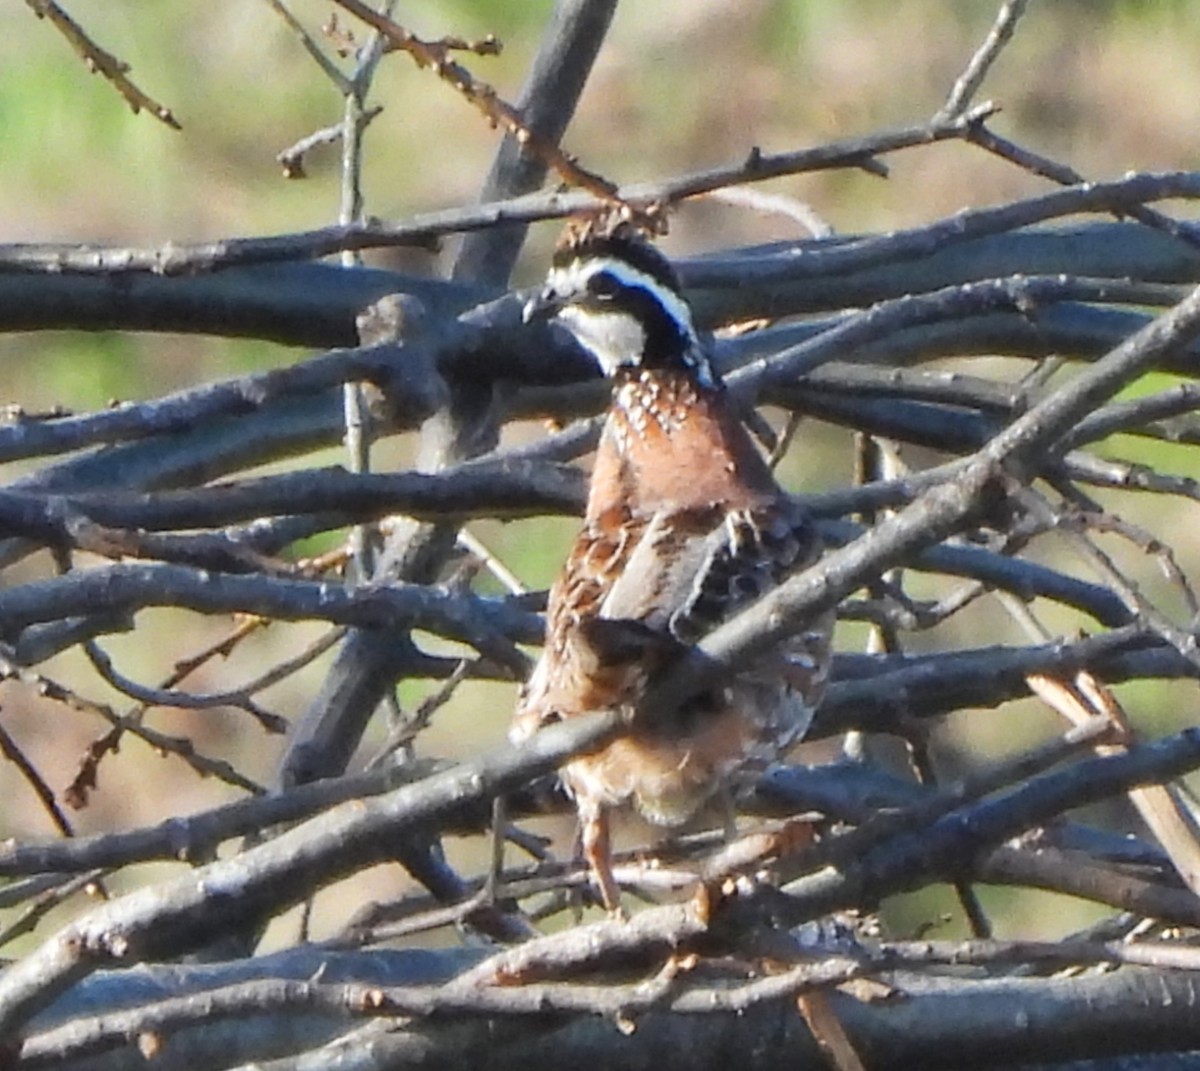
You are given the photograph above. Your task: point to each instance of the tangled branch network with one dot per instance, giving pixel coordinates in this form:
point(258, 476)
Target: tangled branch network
point(1015, 531)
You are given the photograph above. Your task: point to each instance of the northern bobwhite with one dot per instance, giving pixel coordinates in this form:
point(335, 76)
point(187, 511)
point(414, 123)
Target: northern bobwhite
point(685, 525)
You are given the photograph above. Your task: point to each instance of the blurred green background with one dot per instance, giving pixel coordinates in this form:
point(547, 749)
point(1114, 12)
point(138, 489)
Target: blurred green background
point(1104, 85)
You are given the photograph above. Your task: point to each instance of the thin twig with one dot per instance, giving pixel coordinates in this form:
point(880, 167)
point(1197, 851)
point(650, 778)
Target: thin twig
point(314, 50)
point(11, 750)
point(437, 56)
point(968, 83)
point(182, 258)
point(49, 899)
point(100, 62)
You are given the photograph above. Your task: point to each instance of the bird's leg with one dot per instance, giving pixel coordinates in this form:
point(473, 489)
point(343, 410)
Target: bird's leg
point(597, 850)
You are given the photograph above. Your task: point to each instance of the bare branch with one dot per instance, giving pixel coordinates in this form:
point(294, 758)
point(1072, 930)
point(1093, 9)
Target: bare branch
point(100, 62)
point(436, 56)
point(11, 752)
point(971, 79)
point(948, 844)
point(480, 622)
point(182, 913)
point(421, 230)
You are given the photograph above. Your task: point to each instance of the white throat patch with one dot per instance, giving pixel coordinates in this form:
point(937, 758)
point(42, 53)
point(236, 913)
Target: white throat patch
point(614, 338)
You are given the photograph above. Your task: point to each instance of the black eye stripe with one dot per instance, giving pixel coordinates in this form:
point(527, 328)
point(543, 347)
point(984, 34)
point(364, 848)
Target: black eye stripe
point(665, 337)
point(603, 284)
point(640, 255)
point(618, 296)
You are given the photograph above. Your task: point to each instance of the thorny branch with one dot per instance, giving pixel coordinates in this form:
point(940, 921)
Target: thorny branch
point(1029, 504)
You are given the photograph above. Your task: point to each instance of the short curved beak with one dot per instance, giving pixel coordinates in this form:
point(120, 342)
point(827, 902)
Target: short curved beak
point(542, 306)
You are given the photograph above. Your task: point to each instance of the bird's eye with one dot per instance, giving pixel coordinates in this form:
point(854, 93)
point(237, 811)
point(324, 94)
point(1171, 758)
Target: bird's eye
point(550, 717)
point(603, 284)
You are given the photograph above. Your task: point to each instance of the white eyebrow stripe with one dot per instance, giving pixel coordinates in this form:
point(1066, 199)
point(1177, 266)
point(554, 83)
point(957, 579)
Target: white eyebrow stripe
point(578, 272)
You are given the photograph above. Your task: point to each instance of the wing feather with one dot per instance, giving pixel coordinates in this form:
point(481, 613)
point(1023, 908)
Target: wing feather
point(690, 570)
